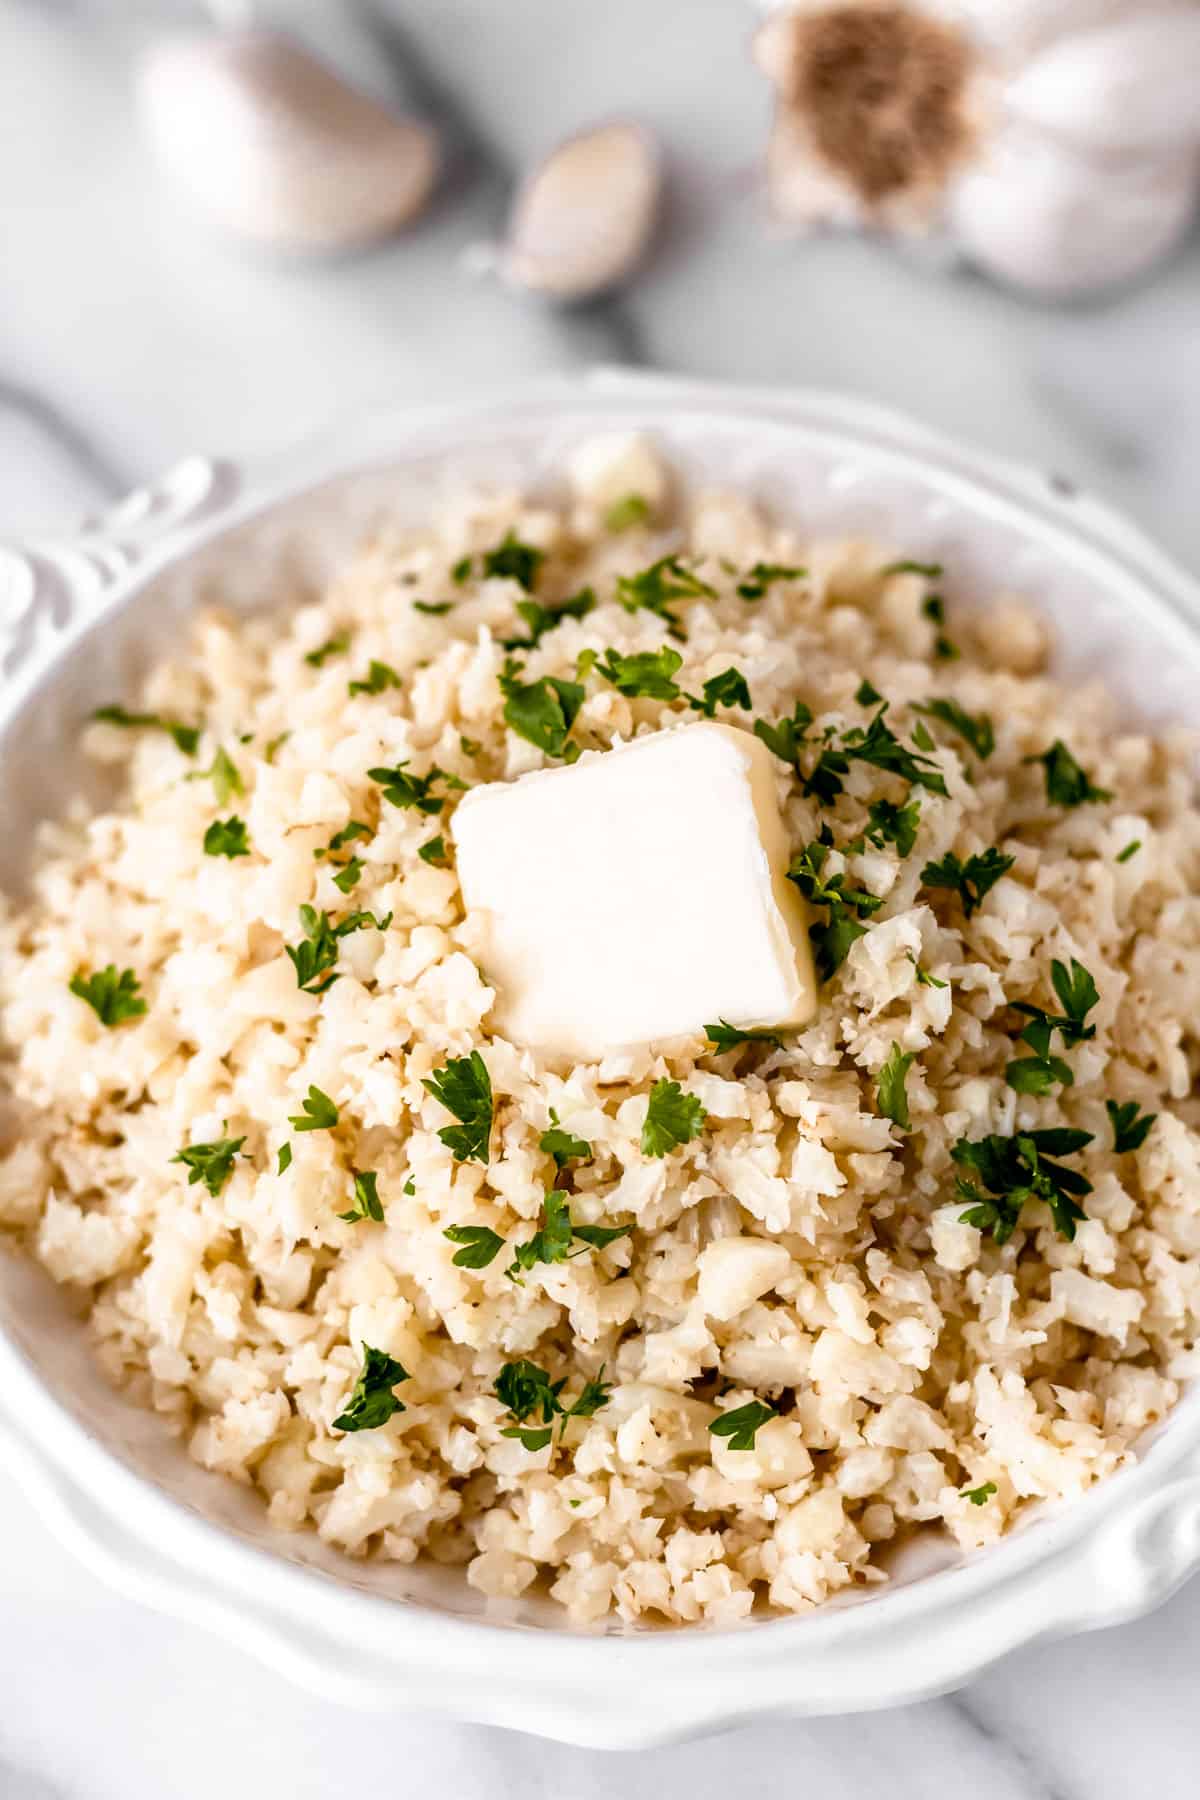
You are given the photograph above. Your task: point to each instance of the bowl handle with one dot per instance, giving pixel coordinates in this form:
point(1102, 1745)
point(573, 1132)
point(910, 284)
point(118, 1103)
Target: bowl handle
point(51, 586)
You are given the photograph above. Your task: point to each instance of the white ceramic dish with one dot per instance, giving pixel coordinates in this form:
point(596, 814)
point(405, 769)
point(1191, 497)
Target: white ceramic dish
point(76, 620)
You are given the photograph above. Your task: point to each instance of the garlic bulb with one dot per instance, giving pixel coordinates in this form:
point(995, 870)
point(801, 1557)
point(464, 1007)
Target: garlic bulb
point(583, 219)
point(277, 147)
point(1055, 143)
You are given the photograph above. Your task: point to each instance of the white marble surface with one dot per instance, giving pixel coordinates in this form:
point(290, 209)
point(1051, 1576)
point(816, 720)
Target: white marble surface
point(130, 335)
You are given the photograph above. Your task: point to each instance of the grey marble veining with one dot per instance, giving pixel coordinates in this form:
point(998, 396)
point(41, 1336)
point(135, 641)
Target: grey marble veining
point(129, 335)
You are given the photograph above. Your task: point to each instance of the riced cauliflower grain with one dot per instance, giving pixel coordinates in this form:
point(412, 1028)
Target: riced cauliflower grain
point(802, 1250)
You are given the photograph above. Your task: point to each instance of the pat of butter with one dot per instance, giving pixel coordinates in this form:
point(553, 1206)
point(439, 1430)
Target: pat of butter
point(638, 894)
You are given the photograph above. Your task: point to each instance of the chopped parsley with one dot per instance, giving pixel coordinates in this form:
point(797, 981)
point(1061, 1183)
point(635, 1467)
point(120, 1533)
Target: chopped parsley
point(318, 1113)
point(979, 1496)
point(273, 744)
point(542, 712)
point(552, 1241)
point(866, 694)
point(434, 609)
point(971, 880)
point(528, 1393)
point(227, 837)
point(761, 577)
point(367, 1204)
point(469, 746)
point(348, 877)
point(460, 571)
point(210, 1163)
point(480, 1245)
point(434, 852)
point(888, 823)
point(879, 746)
point(787, 738)
point(1078, 994)
point(285, 1159)
point(540, 619)
point(1129, 1130)
point(1066, 783)
point(1131, 849)
point(519, 562)
point(933, 607)
point(379, 675)
point(975, 729)
point(113, 997)
point(314, 956)
point(723, 1036)
point(348, 834)
point(729, 688)
point(742, 1424)
point(372, 1401)
point(932, 571)
point(672, 1118)
point(632, 509)
point(185, 737)
point(224, 775)
point(563, 1145)
point(646, 673)
point(1019, 1168)
point(655, 588)
point(361, 921)
point(846, 906)
point(334, 646)
point(416, 791)
point(892, 1090)
point(464, 1088)
point(924, 978)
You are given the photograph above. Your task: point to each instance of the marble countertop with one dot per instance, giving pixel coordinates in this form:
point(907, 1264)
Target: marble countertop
point(129, 335)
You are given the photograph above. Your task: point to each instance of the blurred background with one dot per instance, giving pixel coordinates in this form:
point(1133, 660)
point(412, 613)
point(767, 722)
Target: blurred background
point(1018, 264)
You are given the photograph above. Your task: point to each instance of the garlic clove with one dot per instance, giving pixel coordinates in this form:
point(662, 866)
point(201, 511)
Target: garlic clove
point(1046, 219)
point(276, 147)
point(1133, 86)
point(583, 219)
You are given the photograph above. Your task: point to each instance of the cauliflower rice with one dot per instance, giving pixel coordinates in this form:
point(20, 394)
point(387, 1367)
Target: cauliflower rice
point(802, 1250)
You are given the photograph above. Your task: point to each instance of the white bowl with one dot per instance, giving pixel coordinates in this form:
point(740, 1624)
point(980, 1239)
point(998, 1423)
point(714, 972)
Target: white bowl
point(76, 620)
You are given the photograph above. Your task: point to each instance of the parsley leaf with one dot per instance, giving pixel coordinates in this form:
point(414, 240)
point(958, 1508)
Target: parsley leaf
point(379, 675)
point(334, 646)
point(469, 746)
point(1066, 782)
point(786, 739)
point(971, 880)
point(976, 730)
point(273, 744)
point(112, 997)
point(1019, 1168)
point(481, 1245)
point(318, 1112)
point(433, 609)
point(672, 1118)
point(867, 694)
point(551, 1243)
point(742, 1424)
point(226, 837)
point(979, 1496)
point(519, 562)
point(762, 575)
point(655, 588)
point(879, 746)
point(1129, 1131)
point(210, 1163)
point(632, 509)
point(934, 609)
point(367, 1204)
point(528, 1392)
point(924, 978)
point(464, 1088)
point(1038, 1073)
point(563, 1145)
point(542, 712)
point(723, 1036)
point(348, 834)
point(932, 571)
point(892, 1090)
point(224, 776)
point(729, 688)
point(1131, 849)
point(348, 877)
point(891, 824)
point(317, 952)
point(434, 852)
point(406, 790)
point(460, 571)
point(832, 939)
point(361, 921)
point(372, 1401)
point(285, 1159)
point(186, 737)
point(541, 619)
point(647, 673)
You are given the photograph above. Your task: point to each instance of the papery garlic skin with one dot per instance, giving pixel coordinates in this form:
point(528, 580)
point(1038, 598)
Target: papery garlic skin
point(1074, 158)
point(277, 148)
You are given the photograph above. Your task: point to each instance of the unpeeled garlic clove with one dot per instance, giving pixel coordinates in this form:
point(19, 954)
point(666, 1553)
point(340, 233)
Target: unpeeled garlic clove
point(277, 147)
point(583, 219)
point(1037, 215)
